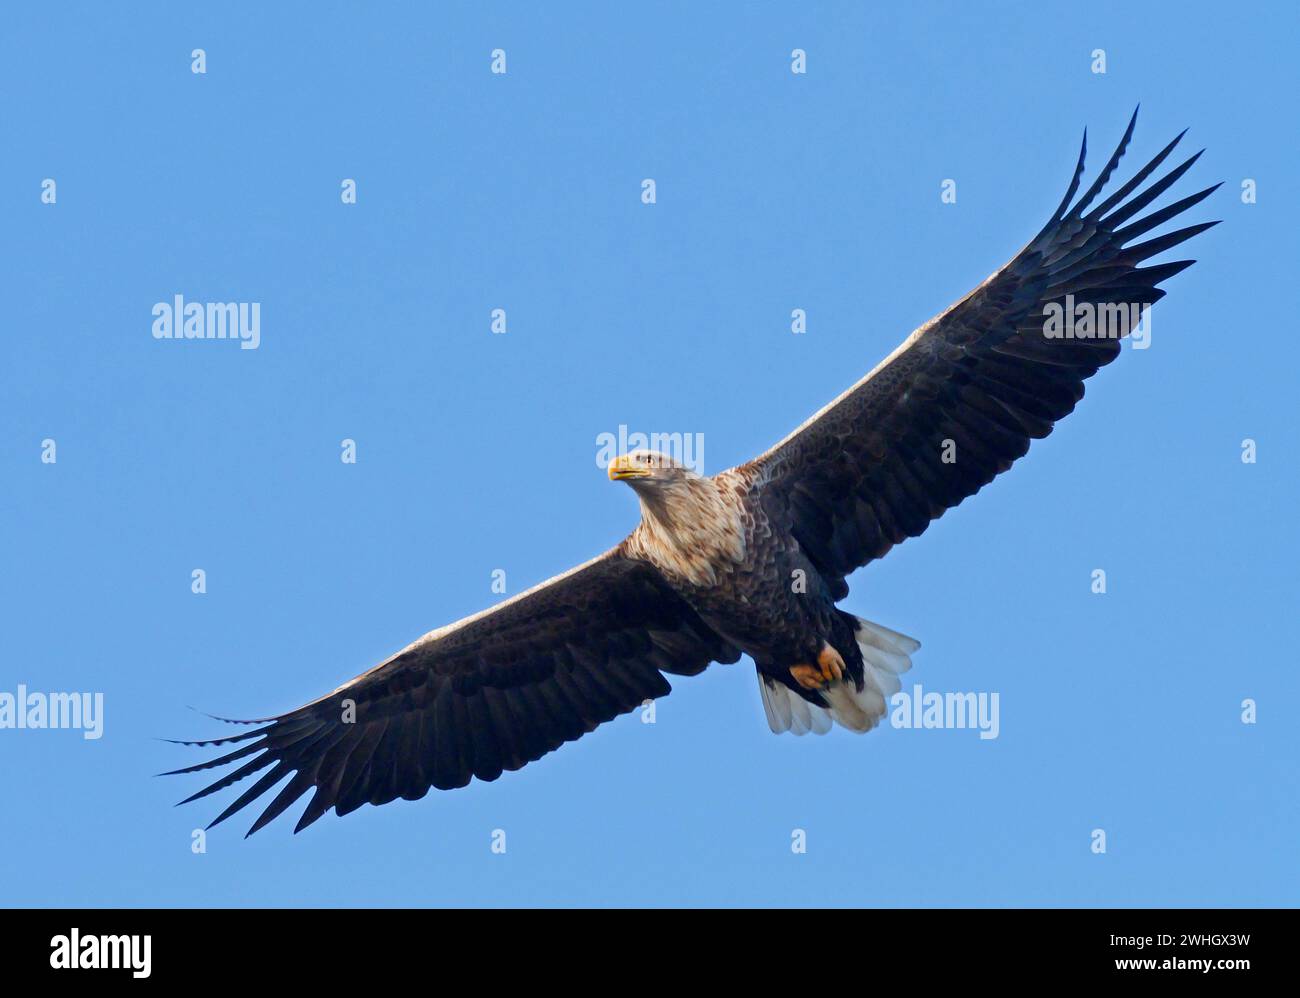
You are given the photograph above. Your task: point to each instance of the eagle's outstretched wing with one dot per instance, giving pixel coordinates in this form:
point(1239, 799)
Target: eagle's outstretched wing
point(872, 468)
point(490, 693)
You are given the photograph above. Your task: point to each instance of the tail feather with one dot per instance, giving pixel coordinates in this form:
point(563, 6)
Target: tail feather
point(787, 711)
point(776, 704)
point(886, 654)
point(901, 642)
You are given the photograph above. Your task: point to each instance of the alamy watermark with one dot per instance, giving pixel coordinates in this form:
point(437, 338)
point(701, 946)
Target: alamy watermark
point(214, 320)
point(36, 710)
point(102, 952)
point(1092, 321)
point(919, 709)
point(687, 449)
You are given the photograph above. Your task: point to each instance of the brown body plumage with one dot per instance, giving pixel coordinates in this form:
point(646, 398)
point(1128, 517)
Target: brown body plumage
point(745, 575)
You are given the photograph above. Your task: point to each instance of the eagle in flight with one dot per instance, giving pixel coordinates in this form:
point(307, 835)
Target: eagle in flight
point(751, 561)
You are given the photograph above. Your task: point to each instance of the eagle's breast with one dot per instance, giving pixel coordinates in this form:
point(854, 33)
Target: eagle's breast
point(696, 533)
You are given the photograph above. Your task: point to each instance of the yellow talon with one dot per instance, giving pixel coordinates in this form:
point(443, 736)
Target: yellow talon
point(832, 665)
point(807, 676)
point(829, 668)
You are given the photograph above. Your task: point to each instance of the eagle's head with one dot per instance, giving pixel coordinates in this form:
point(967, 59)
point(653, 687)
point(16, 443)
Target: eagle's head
point(648, 471)
point(687, 526)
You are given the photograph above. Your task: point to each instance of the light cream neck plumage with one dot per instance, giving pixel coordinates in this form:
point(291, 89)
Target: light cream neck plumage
point(691, 528)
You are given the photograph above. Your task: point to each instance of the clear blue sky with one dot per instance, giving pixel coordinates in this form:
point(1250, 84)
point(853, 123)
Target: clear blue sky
point(477, 452)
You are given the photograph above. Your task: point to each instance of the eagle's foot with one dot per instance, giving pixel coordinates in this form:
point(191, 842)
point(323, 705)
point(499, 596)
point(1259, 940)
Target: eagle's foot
point(807, 676)
point(829, 667)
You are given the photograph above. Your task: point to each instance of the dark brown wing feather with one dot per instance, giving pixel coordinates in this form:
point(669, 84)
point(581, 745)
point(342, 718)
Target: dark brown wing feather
point(868, 470)
point(492, 693)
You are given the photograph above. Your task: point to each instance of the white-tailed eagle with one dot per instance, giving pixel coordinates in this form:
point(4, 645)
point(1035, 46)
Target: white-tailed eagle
point(707, 574)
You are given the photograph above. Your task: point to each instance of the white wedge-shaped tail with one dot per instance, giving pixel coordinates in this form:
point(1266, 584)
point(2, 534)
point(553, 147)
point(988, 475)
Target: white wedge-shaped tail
point(886, 654)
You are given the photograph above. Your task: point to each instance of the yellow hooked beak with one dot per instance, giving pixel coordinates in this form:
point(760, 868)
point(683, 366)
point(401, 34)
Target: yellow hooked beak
point(624, 467)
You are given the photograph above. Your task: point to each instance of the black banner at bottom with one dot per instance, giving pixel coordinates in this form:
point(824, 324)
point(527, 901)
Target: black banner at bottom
point(222, 947)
